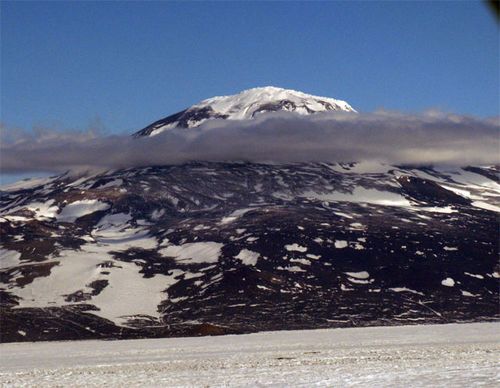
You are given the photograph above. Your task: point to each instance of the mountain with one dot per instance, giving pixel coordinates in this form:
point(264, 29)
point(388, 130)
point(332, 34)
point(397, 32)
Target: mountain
point(213, 248)
point(244, 106)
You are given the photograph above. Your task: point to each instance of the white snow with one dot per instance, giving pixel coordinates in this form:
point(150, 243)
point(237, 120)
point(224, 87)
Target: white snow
point(74, 210)
point(43, 210)
point(448, 282)
point(157, 214)
point(114, 183)
point(467, 178)
point(340, 214)
point(436, 209)
point(247, 104)
point(358, 246)
point(474, 275)
point(26, 184)
point(487, 206)
point(339, 244)
point(405, 289)
point(294, 268)
point(117, 219)
point(247, 257)
point(345, 288)
point(196, 252)
point(242, 106)
point(235, 215)
point(361, 195)
point(358, 275)
point(364, 167)
point(295, 248)
point(130, 294)
point(127, 293)
point(301, 261)
point(360, 281)
point(451, 355)
point(462, 192)
point(16, 218)
point(124, 236)
point(9, 258)
point(314, 257)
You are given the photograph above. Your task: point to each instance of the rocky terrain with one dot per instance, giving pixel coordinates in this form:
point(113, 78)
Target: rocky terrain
point(219, 248)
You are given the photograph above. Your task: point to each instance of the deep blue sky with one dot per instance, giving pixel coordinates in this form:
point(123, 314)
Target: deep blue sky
point(126, 64)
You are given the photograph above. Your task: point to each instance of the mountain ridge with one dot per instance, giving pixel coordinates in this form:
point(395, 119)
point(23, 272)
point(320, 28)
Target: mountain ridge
point(245, 106)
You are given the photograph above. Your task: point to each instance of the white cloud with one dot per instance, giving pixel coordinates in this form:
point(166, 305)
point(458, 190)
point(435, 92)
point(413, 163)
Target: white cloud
point(280, 137)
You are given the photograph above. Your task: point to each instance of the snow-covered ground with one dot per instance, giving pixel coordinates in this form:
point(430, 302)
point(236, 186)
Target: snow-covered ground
point(434, 355)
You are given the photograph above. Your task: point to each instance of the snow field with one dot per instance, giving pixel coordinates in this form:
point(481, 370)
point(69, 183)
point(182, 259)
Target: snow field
point(458, 355)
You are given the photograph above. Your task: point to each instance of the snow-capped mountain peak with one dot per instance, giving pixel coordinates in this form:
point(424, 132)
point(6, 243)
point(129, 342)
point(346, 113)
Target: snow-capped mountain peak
point(246, 105)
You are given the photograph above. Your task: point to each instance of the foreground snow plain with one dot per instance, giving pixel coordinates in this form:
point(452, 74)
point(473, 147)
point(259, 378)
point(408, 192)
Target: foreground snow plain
point(430, 355)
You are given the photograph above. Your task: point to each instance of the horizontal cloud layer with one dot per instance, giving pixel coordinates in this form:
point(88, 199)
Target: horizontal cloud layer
point(280, 137)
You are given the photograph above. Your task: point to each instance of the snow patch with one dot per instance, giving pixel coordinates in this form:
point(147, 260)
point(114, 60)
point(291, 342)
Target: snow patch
point(194, 253)
point(247, 257)
point(9, 258)
point(358, 275)
point(77, 209)
point(474, 275)
point(235, 215)
point(404, 289)
point(43, 210)
point(295, 248)
point(362, 195)
point(339, 244)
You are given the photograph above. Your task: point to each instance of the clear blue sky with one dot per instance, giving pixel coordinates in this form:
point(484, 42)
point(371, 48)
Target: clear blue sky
point(126, 64)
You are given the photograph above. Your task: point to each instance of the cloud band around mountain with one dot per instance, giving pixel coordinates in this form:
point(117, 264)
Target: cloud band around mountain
point(279, 137)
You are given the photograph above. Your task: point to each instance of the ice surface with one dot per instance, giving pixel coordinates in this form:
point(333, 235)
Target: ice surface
point(453, 355)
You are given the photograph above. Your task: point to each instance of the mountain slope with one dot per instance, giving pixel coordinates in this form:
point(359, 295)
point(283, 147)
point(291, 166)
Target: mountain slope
point(212, 248)
point(244, 106)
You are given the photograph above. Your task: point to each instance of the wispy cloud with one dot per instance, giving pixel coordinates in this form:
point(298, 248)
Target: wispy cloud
point(282, 137)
